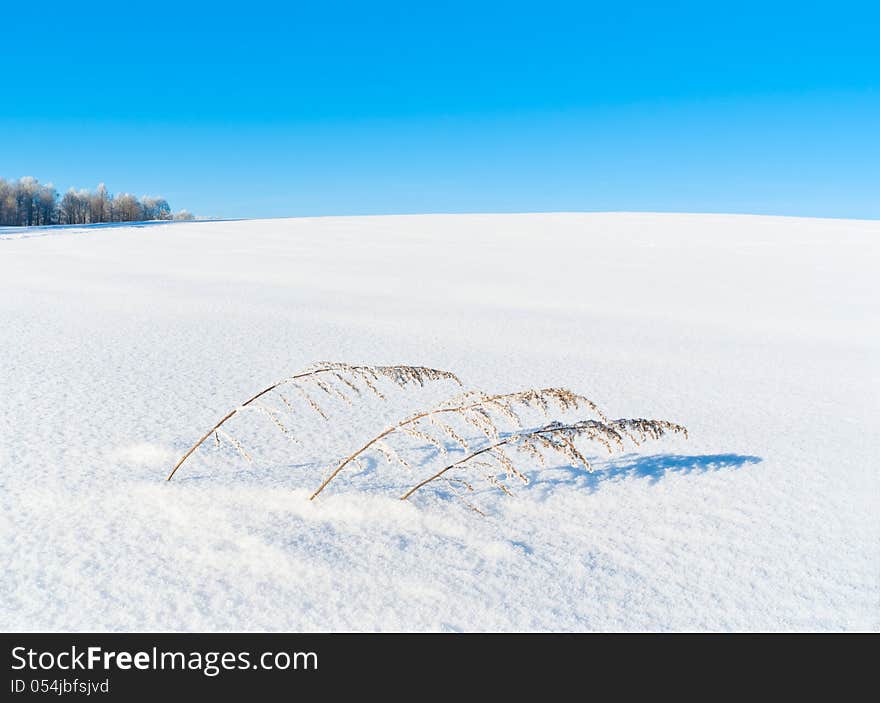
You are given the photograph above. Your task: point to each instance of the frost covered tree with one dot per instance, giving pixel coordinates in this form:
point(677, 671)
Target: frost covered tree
point(7, 203)
point(76, 208)
point(68, 208)
point(155, 208)
point(46, 203)
point(27, 191)
point(27, 202)
point(99, 204)
point(126, 208)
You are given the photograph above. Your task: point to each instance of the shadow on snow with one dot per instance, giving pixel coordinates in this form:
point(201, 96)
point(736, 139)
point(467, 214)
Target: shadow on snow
point(652, 467)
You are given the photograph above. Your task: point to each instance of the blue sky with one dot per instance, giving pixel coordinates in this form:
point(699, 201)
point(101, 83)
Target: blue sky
point(283, 109)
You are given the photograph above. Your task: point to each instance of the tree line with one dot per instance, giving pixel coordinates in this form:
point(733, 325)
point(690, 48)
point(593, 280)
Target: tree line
point(27, 202)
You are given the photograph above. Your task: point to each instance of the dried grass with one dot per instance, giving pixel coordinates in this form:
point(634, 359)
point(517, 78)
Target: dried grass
point(325, 379)
point(496, 421)
point(487, 414)
point(557, 439)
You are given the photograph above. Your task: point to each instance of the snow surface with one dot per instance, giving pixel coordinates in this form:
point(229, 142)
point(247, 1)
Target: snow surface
point(120, 346)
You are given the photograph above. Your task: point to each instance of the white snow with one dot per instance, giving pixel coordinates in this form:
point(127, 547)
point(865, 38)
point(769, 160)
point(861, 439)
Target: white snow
point(121, 346)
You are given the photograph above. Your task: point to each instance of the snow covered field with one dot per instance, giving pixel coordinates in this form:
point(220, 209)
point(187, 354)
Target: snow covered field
point(120, 346)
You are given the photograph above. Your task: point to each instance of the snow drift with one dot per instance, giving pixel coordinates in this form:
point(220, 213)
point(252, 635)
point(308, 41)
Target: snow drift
point(762, 335)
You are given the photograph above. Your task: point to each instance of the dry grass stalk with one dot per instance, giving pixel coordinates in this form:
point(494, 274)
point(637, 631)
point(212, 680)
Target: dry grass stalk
point(485, 413)
point(555, 438)
point(331, 379)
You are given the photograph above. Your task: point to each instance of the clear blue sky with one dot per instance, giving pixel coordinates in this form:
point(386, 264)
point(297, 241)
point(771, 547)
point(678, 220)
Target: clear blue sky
point(286, 108)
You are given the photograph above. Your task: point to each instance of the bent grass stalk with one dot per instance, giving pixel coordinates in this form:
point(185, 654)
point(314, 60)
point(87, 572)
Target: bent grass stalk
point(475, 409)
point(490, 415)
point(349, 375)
point(560, 438)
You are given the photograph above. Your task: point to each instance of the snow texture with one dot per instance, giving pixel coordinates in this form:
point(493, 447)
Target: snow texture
point(122, 345)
